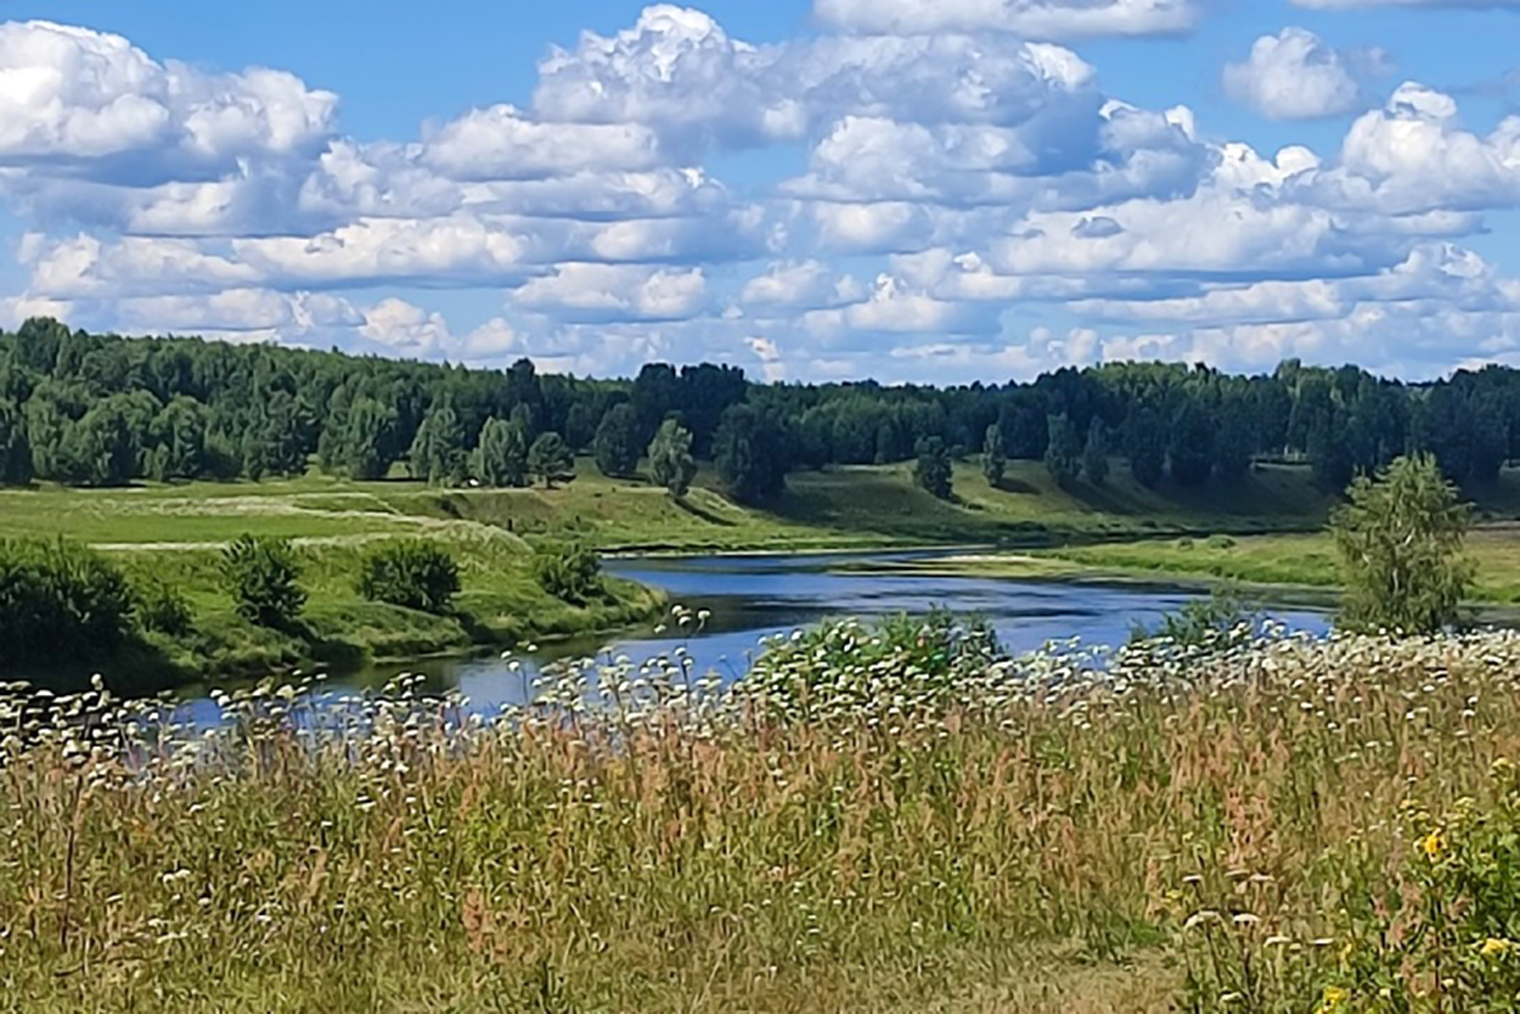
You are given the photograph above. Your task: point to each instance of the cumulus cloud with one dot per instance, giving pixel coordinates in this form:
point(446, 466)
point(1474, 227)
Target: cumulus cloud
point(971, 202)
point(1292, 76)
point(91, 103)
point(1042, 19)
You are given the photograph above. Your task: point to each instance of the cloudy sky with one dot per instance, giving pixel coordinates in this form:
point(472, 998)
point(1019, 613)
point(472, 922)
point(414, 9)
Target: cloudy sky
point(929, 190)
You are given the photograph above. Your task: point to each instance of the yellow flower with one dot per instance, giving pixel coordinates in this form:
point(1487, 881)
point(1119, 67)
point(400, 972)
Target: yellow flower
point(1332, 1000)
point(1434, 844)
point(1493, 947)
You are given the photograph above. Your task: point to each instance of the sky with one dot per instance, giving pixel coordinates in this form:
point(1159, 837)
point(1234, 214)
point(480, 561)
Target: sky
point(936, 191)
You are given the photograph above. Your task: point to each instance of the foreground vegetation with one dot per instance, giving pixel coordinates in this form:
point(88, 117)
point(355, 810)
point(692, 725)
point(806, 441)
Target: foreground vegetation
point(881, 819)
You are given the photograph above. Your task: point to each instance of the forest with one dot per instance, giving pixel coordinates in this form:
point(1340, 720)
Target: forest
point(93, 410)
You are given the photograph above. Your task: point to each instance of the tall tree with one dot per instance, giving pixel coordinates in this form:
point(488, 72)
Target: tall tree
point(366, 439)
point(550, 459)
point(1063, 450)
point(656, 393)
point(749, 454)
point(994, 457)
point(179, 435)
point(617, 442)
point(1190, 449)
point(670, 460)
point(15, 449)
point(1095, 452)
point(932, 470)
point(1145, 440)
point(501, 459)
point(438, 454)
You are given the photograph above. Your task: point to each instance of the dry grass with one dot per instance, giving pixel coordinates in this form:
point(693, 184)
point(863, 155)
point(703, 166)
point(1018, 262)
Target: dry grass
point(1031, 840)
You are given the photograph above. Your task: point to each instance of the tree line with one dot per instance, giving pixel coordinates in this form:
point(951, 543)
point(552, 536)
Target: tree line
point(101, 410)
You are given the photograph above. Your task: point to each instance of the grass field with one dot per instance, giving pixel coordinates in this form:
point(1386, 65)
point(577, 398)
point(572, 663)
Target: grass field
point(1304, 560)
point(839, 507)
point(1295, 827)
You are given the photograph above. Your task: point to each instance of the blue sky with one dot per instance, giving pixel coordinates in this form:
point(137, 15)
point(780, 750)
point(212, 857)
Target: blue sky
point(940, 190)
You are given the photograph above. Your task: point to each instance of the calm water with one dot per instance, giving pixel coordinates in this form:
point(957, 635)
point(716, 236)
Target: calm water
point(752, 598)
point(755, 597)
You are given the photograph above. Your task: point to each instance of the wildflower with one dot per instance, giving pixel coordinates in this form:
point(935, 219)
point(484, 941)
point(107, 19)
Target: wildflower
point(1495, 947)
point(1434, 844)
point(1334, 999)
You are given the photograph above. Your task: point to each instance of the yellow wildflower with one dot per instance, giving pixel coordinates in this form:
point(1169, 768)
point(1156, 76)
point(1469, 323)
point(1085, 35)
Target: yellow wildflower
point(1434, 844)
point(1332, 1001)
point(1493, 947)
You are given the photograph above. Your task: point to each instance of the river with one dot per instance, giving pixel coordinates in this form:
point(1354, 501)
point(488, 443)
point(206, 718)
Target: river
point(754, 597)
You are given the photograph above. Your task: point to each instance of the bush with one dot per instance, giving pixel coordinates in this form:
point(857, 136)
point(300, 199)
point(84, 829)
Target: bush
point(162, 609)
point(570, 573)
point(60, 600)
point(260, 574)
point(1221, 542)
point(415, 574)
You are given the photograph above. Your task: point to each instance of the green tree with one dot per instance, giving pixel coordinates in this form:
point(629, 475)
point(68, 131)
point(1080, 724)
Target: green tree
point(412, 573)
point(994, 456)
point(749, 454)
point(15, 449)
point(1063, 450)
point(1400, 542)
point(366, 439)
point(550, 459)
point(1190, 449)
point(261, 574)
point(616, 446)
point(437, 455)
point(179, 435)
point(932, 471)
point(1095, 453)
point(501, 459)
point(670, 460)
point(1145, 445)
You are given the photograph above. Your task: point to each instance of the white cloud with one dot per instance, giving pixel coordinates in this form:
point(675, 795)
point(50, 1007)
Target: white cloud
point(80, 100)
point(499, 143)
point(956, 178)
point(1292, 76)
point(1042, 19)
point(596, 292)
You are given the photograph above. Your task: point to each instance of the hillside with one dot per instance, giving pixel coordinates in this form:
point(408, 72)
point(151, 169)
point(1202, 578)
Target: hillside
point(861, 506)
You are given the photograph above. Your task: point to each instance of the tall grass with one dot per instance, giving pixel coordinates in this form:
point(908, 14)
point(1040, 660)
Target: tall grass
point(1043, 834)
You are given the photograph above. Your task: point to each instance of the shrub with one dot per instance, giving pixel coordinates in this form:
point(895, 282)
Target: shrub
point(163, 609)
point(415, 574)
point(60, 600)
point(571, 573)
point(1220, 542)
point(260, 574)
